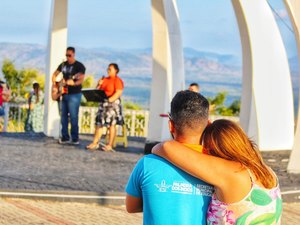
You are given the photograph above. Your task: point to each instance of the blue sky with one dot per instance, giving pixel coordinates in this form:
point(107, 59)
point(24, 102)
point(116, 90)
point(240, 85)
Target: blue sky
point(208, 25)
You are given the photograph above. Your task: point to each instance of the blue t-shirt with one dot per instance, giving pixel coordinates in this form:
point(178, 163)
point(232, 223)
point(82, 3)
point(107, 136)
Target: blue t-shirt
point(170, 195)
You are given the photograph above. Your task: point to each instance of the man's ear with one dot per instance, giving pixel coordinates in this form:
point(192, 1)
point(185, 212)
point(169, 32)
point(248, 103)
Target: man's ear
point(171, 127)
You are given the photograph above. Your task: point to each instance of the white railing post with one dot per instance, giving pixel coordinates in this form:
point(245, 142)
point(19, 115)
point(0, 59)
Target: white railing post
point(6, 117)
point(79, 118)
point(146, 126)
point(93, 113)
point(19, 118)
point(132, 128)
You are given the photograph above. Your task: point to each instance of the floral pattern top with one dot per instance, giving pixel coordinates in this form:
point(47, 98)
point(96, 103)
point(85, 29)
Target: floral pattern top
point(260, 206)
point(34, 122)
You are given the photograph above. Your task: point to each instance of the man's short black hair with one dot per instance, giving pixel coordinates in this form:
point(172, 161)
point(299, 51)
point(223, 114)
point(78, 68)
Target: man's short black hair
point(71, 49)
point(194, 84)
point(189, 110)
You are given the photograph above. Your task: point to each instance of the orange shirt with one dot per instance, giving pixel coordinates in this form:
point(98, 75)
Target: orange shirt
point(197, 148)
point(111, 84)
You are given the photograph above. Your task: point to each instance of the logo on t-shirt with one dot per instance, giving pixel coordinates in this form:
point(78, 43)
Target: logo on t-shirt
point(67, 70)
point(182, 187)
point(204, 190)
point(162, 187)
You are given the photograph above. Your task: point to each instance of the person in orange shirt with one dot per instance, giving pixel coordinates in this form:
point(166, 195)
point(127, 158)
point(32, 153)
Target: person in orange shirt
point(110, 110)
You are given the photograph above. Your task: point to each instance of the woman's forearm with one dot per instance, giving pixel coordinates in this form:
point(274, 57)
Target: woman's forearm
point(211, 169)
point(115, 96)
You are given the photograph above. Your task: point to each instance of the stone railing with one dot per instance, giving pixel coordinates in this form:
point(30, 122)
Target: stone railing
point(14, 118)
point(136, 121)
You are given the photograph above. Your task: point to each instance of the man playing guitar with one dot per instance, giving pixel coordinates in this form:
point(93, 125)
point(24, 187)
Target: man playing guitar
point(60, 87)
point(69, 88)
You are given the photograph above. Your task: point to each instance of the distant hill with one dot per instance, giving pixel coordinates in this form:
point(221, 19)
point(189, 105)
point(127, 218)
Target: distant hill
point(214, 72)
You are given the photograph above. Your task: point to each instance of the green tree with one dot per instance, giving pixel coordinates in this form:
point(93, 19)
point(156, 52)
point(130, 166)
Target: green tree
point(218, 100)
point(10, 75)
point(26, 78)
point(20, 81)
point(235, 107)
point(217, 105)
point(132, 106)
point(88, 82)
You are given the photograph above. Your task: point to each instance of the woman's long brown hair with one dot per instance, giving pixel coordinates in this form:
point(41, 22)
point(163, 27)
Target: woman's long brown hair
point(225, 139)
point(36, 88)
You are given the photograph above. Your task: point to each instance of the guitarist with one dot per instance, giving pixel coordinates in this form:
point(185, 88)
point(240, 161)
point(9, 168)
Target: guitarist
point(73, 75)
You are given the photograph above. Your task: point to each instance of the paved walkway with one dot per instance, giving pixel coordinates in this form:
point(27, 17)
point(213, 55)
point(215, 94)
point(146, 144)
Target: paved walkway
point(20, 211)
point(25, 212)
point(33, 162)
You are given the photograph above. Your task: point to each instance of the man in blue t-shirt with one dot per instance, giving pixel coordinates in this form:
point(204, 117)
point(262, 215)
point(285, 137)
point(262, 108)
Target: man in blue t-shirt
point(163, 192)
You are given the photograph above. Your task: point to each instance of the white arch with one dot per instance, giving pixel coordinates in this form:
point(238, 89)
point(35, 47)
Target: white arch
point(168, 66)
point(57, 44)
point(168, 69)
point(293, 8)
point(266, 72)
point(267, 113)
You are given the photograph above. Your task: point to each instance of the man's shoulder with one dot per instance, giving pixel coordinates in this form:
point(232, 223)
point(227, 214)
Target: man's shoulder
point(152, 162)
point(148, 158)
point(151, 159)
point(79, 64)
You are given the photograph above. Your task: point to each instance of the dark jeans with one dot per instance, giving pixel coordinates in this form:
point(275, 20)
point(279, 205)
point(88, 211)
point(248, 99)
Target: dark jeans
point(70, 106)
point(2, 111)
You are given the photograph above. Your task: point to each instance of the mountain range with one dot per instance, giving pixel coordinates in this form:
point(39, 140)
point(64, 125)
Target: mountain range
point(214, 72)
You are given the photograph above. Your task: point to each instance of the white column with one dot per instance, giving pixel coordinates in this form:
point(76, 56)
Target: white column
point(6, 116)
point(293, 8)
point(267, 113)
point(57, 44)
point(168, 66)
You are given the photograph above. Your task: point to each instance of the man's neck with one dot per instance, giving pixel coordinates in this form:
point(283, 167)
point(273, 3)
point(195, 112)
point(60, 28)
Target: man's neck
point(188, 139)
point(72, 61)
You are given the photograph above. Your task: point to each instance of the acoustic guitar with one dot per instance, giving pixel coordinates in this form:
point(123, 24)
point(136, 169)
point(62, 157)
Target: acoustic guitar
point(60, 88)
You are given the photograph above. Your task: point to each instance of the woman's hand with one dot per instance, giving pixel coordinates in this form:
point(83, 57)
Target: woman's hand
point(100, 82)
point(115, 96)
